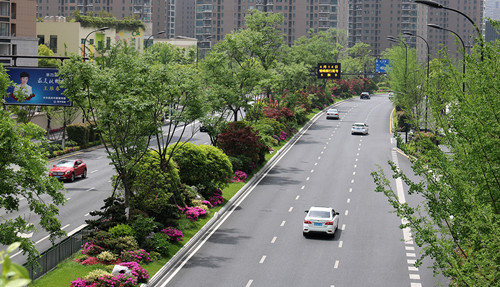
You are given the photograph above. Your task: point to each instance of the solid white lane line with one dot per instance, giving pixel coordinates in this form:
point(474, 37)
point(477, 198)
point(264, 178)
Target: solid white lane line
point(94, 171)
point(249, 283)
point(274, 239)
point(283, 223)
point(262, 259)
point(291, 208)
point(336, 264)
point(92, 188)
point(76, 229)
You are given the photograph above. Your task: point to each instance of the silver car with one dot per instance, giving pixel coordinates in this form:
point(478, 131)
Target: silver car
point(320, 220)
point(332, 114)
point(359, 128)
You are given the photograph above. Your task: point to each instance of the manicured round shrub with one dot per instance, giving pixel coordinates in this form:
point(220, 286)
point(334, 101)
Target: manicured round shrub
point(121, 230)
point(107, 257)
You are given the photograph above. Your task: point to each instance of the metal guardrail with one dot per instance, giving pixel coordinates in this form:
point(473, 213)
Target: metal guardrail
point(49, 259)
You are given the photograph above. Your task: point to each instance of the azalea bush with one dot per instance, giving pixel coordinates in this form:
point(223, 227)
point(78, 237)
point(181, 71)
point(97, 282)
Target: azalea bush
point(193, 213)
point(173, 234)
point(139, 256)
point(216, 198)
point(239, 176)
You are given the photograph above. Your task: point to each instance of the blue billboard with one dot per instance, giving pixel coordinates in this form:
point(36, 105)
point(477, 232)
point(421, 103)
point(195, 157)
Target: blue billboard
point(35, 87)
point(382, 65)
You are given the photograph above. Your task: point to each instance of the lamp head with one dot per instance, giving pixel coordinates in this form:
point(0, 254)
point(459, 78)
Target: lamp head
point(435, 26)
point(103, 28)
point(408, 33)
point(429, 3)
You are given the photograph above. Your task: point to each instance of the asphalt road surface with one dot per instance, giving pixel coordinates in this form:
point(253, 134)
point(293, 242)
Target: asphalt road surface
point(259, 242)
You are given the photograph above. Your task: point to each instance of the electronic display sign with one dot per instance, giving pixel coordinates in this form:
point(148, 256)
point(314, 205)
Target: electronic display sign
point(328, 71)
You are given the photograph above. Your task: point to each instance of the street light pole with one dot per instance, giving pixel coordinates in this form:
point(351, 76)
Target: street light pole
point(428, 61)
point(147, 40)
point(397, 40)
point(463, 46)
point(85, 41)
point(440, 6)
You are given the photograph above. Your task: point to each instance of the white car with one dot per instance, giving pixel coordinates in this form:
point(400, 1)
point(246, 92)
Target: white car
point(332, 114)
point(320, 220)
point(359, 128)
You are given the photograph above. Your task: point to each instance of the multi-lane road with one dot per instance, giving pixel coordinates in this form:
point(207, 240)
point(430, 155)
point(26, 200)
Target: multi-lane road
point(259, 241)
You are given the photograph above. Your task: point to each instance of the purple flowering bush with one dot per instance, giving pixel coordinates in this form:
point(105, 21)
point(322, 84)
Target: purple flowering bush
point(116, 281)
point(239, 176)
point(139, 256)
point(216, 198)
point(81, 283)
point(173, 234)
point(207, 203)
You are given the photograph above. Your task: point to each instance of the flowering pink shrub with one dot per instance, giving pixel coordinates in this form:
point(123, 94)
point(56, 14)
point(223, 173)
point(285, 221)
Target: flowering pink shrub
point(89, 261)
point(207, 203)
point(135, 256)
point(173, 234)
point(81, 283)
point(91, 249)
point(216, 198)
point(239, 176)
point(140, 274)
point(116, 281)
point(283, 136)
point(193, 213)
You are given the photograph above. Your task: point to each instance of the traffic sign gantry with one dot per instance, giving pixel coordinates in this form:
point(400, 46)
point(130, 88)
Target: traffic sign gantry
point(328, 71)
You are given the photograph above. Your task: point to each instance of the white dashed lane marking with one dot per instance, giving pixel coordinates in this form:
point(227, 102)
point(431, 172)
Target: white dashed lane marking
point(262, 259)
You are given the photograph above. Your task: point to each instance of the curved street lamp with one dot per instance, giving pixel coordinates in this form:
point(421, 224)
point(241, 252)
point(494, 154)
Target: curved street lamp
point(85, 41)
point(428, 60)
point(147, 41)
point(463, 46)
point(440, 6)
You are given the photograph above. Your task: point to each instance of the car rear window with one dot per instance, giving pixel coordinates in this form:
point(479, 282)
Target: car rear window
point(319, 214)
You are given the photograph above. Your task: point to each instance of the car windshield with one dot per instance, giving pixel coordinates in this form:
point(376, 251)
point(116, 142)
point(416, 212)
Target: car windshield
point(319, 214)
point(332, 111)
point(359, 125)
point(65, 163)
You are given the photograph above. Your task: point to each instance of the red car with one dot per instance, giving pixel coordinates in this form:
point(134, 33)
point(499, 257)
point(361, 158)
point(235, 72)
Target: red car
point(69, 169)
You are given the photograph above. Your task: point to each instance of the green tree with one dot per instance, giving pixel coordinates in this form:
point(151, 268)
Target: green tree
point(115, 98)
point(45, 51)
point(23, 175)
point(458, 221)
point(206, 167)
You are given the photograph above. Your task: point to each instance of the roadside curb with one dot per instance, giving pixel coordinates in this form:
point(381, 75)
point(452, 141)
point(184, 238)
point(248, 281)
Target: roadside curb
point(181, 254)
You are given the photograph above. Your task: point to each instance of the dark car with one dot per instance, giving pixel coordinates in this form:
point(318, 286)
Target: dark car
point(365, 95)
point(69, 169)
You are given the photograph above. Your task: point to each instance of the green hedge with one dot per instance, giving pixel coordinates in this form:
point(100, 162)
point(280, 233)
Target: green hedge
point(81, 133)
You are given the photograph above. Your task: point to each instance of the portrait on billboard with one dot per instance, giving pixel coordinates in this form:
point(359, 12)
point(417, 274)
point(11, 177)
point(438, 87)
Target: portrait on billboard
point(35, 87)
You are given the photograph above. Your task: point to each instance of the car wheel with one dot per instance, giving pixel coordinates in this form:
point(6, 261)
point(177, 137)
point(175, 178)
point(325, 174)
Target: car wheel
point(305, 234)
point(72, 178)
point(84, 174)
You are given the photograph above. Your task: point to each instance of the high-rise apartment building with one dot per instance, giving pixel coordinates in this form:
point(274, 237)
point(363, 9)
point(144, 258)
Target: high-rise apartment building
point(492, 11)
point(18, 32)
point(216, 18)
point(176, 18)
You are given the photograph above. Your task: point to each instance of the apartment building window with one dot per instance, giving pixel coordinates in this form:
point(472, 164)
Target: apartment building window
point(4, 29)
point(53, 43)
point(41, 39)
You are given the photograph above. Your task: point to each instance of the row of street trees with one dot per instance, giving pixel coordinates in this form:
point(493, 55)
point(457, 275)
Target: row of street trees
point(458, 221)
point(127, 95)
